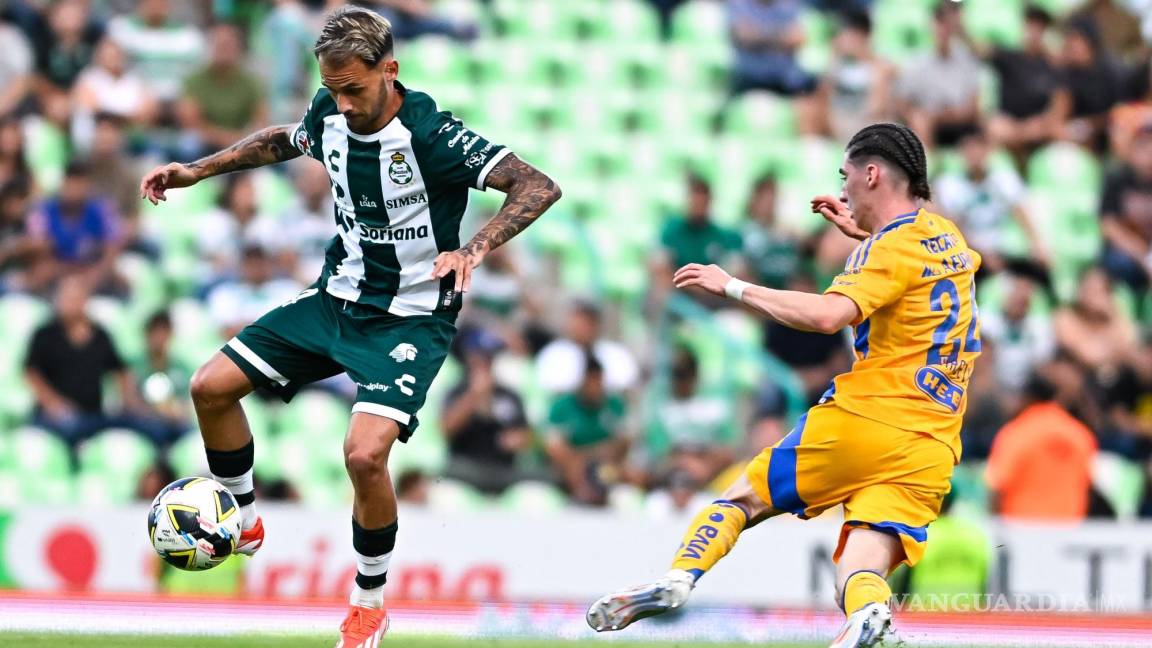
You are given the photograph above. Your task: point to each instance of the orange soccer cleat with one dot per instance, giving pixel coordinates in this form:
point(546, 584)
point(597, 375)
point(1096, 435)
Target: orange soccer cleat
point(364, 627)
point(251, 539)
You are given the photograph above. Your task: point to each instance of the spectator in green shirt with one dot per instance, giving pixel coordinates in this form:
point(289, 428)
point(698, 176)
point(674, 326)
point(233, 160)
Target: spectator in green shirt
point(585, 437)
point(771, 254)
point(695, 238)
point(222, 101)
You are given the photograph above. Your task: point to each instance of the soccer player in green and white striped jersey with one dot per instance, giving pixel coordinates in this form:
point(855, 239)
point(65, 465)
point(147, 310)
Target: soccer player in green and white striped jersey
point(384, 307)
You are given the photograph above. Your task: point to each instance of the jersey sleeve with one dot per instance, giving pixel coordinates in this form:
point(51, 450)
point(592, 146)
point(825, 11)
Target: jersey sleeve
point(307, 134)
point(873, 277)
point(456, 154)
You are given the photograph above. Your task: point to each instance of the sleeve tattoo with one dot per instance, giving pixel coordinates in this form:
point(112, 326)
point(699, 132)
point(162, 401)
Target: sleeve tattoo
point(263, 147)
point(530, 193)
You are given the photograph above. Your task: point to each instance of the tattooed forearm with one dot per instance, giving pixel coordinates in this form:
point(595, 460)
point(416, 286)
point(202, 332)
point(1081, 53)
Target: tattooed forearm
point(530, 193)
point(263, 147)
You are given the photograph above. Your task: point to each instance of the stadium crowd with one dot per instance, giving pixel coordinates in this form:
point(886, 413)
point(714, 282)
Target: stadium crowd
point(682, 131)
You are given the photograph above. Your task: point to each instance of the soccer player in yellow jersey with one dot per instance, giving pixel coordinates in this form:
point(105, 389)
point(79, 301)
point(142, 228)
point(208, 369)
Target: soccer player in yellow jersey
point(883, 440)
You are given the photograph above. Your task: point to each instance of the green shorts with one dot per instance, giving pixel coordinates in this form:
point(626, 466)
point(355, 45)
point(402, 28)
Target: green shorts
point(315, 336)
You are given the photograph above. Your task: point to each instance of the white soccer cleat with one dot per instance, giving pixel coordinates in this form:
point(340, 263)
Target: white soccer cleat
point(869, 626)
point(618, 610)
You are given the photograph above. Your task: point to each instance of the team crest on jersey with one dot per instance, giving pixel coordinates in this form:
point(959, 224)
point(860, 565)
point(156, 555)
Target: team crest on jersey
point(302, 142)
point(400, 171)
point(403, 352)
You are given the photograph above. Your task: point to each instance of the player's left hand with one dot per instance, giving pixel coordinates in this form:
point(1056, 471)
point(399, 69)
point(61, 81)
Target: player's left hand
point(711, 278)
point(462, 262)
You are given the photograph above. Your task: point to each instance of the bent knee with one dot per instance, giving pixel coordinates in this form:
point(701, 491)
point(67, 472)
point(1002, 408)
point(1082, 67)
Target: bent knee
point(214, 386)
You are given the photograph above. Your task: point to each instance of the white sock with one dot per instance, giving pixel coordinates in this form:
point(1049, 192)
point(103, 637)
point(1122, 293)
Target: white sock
point(239, 487)
point(371, 598)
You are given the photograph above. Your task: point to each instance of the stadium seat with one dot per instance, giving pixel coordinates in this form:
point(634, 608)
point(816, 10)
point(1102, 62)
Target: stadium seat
point(1064, 166)
point(632, 21)
point(41, 464)
point(902, 28)
point(186, 455)
point(46, 152)
point(314, 414)
point(558, 21)
point(762, 115)
point(995, 22)
point(532, 498)
point(111, 465)
point(432, 60)
point(20, 315)
point(1120, 481)
point(700, 22)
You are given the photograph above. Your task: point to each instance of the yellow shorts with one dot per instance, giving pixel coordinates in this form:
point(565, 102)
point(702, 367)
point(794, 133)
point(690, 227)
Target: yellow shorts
point(888, 479)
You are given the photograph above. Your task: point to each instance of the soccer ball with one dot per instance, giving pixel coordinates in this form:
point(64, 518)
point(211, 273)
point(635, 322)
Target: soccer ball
point(194, 523)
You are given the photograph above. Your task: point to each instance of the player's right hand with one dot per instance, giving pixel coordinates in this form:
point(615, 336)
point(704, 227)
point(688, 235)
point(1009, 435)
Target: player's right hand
point(169, 176)
point(836, 212)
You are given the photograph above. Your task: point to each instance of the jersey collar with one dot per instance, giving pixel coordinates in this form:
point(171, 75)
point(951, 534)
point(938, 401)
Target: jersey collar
point(902, 219)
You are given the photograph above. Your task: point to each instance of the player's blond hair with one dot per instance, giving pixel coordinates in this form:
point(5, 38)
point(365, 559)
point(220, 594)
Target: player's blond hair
point(354, 32)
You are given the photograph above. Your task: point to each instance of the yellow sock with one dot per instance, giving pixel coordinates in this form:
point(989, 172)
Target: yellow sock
point(864, 587)
point(710, 537)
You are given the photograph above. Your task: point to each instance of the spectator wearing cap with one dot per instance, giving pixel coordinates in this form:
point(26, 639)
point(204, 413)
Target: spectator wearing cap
point(1033, 101)
point(236, 302)
point(1126, 216)
point(939, 92)
point(1040, 467)
point(81, 228)
point(982, 198)
point(483, 420)
point(561, 364)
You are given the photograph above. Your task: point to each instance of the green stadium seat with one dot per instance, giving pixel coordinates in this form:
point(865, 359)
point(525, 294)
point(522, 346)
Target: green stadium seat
point(41, 464)
point(631, 21)
point(186, 455)
point(699, 23)
point(902, 28)
point(111, 465)
point(761, 115)
point(314, 465)
point(431, 61)
point(1066, 167)
point(46, 152)
point(20, 315)
point(451, 496)
point(556, 21)
point(195, 337)
point(1120, 481)
point(314, 414)
point(997, 22)
point(533, 498)
point(115, 317)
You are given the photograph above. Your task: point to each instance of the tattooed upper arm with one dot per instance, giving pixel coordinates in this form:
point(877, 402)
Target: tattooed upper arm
point(267, 146)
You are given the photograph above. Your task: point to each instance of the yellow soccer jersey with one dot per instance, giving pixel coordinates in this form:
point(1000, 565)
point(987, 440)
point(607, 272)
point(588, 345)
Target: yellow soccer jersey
point(918, 331)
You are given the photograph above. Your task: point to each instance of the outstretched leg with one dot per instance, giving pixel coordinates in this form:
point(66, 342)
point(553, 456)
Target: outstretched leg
point(217, 388)
point(710, 536)
point(374, 525)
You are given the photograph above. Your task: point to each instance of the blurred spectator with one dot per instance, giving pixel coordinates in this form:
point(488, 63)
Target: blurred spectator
point(223, 101)
point(857, 87)
point(695, 238)
point(1022, 334)
point(1040, 467)
point(696, 431)
point(769, 418)
point(1119, 28)
point(159, 475)
point(15, 69)
point(236, 302)
point(66, 50)
point(561, 364)
point(770, 253)
point(982, 198)
point(766, 35)
point(412, 487)
point(415, 18)
point(586, 439)
point(1034, 103)
point(499, 287)
point(1094, 81)
point(816, 358)
point(665, 9)
point(109, 87)
point(163, 379)
point(232, 224)
point(24, 258)
point(308, 217)
point(939, 92)
point(1128, 118)
point(113, 170)
point(989, 404)
point(484, 421)
point(162, 50)
point(1126, 216)
point(283, 45)
point(679, 495)
point(82, 229)
point(65, 365)
point(13, 157)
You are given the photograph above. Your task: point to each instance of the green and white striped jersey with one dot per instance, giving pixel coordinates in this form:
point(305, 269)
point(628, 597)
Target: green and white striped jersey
point(400, 194)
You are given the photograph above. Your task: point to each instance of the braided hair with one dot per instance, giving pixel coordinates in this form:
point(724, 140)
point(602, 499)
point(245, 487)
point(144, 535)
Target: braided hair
point(899, 146)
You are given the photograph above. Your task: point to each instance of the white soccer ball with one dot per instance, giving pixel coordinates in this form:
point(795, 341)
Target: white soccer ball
point(194, 523)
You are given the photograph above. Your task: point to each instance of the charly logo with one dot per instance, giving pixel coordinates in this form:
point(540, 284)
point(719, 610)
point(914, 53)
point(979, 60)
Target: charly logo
point(302, 141)
point(400, 171)
point(403, 352)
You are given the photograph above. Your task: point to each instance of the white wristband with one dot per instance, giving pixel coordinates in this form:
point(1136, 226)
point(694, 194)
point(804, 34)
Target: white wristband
point(734, 289)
